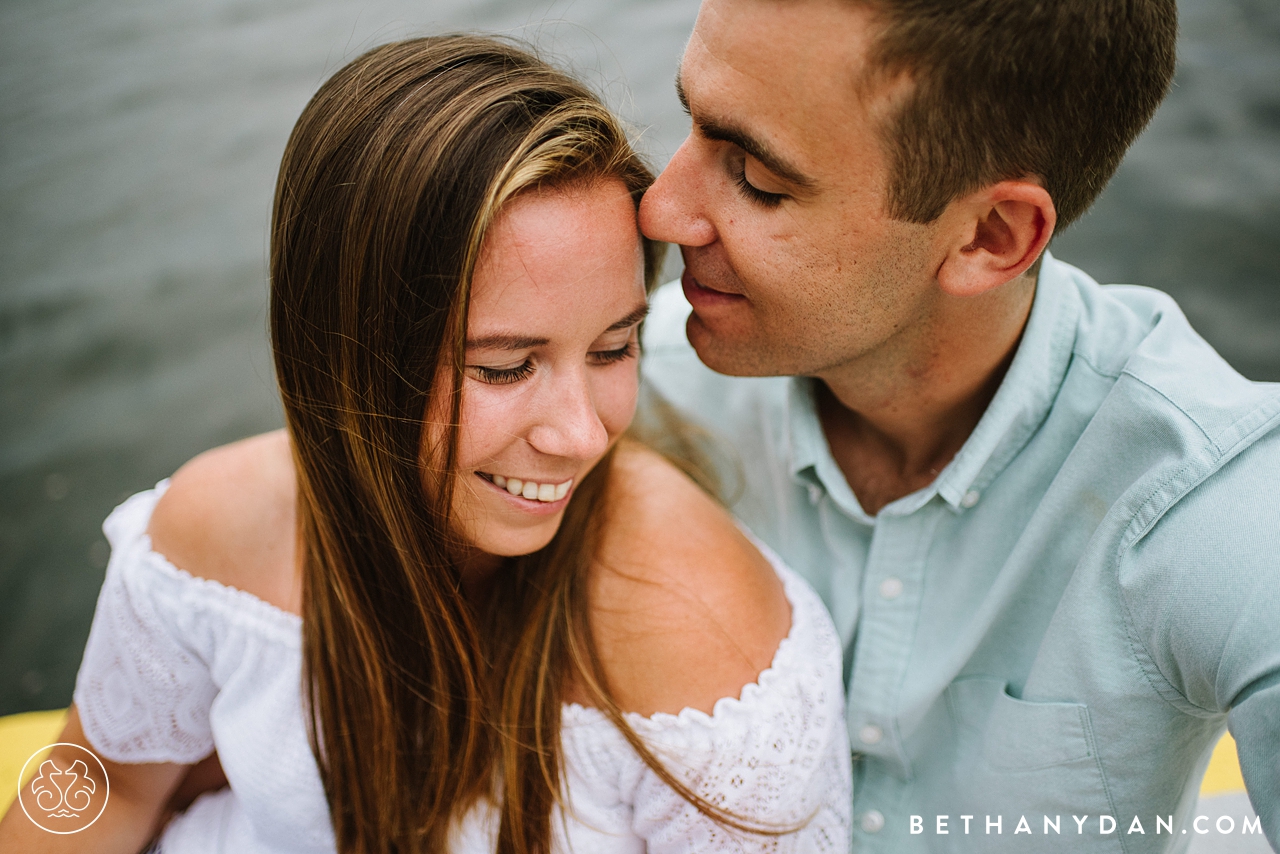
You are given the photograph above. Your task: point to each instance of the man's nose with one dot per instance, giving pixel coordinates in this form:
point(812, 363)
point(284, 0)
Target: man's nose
point(674, 209)
point(569, 424)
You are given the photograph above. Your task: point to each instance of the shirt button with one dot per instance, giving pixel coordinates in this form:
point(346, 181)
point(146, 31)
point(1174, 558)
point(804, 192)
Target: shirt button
point(870, 734)
point(872, 821)
point(890, 588)
point(970, 498)
point(815, 493)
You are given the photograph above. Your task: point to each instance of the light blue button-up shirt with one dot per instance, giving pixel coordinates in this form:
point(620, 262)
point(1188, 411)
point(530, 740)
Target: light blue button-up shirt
point(1050, 637)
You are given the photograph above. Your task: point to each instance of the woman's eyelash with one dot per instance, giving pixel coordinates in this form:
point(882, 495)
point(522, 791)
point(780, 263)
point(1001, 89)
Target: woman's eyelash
point(502, 376)
point(608, 357)
point(757, 195)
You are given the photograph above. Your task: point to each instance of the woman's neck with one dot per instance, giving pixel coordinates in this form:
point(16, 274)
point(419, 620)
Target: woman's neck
point(476, 570)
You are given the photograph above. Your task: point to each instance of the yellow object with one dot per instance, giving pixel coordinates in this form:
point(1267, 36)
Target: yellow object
point(1223, 773)
point(21, 736)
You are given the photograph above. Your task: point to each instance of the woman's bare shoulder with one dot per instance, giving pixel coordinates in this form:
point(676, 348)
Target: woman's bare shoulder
point(229, 515)
point(685, 610)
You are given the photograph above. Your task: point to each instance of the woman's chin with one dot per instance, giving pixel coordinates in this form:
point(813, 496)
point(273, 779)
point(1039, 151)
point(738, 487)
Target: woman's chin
point(503, 541)
point(508, 525)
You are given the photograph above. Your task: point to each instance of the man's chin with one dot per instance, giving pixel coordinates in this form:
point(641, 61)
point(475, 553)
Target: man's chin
point(735, 357)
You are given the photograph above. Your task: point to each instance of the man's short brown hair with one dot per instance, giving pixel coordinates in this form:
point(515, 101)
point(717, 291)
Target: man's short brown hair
point(1057, 89)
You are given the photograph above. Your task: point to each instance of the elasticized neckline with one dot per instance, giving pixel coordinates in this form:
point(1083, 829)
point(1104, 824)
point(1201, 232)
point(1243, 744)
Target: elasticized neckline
point(781, 667)
point(126, 528)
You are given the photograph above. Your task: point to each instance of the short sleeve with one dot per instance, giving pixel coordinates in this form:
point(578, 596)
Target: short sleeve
point(783, 764)
point(142, 694)
point(776, 756)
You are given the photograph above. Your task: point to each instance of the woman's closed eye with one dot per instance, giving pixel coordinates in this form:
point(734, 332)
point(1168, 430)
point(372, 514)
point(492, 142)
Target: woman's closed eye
point(608, 355)
point(501, 376)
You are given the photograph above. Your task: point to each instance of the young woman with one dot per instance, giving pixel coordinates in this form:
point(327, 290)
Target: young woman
point(450, 607)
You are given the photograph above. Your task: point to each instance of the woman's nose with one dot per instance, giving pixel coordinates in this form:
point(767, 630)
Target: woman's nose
point(673, 209)
point(569, 425)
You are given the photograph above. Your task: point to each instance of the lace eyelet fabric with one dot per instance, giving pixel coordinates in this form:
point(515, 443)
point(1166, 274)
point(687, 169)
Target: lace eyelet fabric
point(177, 666)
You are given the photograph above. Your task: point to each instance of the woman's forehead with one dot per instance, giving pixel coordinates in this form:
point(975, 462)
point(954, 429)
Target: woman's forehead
point(556, 258)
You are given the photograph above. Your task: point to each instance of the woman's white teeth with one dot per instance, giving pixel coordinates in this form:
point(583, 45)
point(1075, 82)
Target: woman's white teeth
point(533, 491)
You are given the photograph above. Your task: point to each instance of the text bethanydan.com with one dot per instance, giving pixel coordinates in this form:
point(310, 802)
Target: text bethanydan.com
point(1102, 825)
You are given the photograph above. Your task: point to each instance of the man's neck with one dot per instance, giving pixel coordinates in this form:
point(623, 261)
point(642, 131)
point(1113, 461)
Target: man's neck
point(893, 427)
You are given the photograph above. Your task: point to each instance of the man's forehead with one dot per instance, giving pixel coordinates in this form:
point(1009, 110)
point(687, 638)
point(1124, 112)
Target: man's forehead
point(788, 68)
point(786, 41)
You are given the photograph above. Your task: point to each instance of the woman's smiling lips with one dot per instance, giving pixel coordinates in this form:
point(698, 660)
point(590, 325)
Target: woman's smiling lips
point(529, 495)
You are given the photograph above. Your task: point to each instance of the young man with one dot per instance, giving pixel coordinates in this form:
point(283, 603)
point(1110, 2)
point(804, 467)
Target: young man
point(1044, 514)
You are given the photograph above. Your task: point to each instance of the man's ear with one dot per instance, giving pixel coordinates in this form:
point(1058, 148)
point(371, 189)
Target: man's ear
point(996, 234)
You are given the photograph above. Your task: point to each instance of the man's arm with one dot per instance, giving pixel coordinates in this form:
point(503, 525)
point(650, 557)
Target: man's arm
point(1255, 724)
point(1203, 592)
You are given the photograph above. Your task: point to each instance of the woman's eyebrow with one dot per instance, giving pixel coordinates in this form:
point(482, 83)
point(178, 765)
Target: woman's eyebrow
point(637, 314)
point(507, 341)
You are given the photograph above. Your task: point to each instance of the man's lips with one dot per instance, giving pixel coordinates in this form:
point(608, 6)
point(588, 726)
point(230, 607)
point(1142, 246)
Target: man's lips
point(702, 297)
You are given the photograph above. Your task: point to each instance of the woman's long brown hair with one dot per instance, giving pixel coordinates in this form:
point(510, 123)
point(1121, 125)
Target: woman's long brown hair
point(424, 701)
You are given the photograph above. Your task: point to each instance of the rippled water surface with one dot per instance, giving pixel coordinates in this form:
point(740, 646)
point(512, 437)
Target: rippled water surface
point(138, 149)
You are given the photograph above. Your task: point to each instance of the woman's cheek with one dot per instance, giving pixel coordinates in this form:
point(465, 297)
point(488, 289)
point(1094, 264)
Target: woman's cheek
point(617, 398)
point(487, 420)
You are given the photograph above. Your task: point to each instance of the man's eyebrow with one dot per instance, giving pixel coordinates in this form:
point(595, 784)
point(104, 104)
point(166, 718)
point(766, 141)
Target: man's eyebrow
point(720, 132)
point(501, 341)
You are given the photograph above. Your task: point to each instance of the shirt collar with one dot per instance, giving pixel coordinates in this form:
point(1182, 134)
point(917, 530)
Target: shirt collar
point(1020, 405)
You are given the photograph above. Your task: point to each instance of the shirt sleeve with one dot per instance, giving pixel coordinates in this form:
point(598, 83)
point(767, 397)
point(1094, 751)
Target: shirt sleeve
point(142, 694)
point(777, 757)
point(1203, 593)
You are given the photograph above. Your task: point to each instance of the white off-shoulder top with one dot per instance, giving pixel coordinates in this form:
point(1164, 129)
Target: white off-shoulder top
point(177, 666)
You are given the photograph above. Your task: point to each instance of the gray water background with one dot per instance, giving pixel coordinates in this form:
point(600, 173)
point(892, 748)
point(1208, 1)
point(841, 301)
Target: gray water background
point(138, 147)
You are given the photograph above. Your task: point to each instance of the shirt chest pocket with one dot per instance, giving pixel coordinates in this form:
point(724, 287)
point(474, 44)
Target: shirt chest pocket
point(1023, 736)
point(1017, 758)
